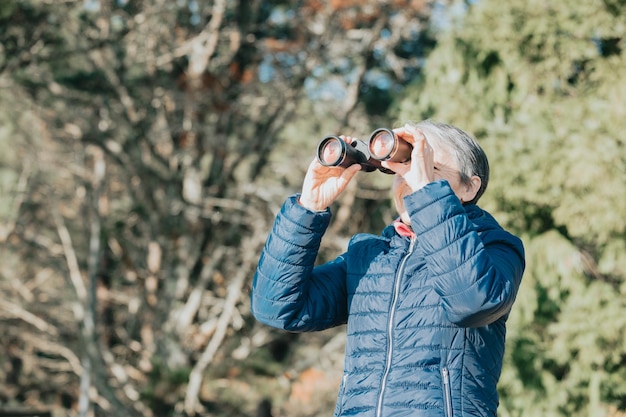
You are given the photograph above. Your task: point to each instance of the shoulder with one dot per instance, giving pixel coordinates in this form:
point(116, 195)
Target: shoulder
point(489, 228)
point(481, 218)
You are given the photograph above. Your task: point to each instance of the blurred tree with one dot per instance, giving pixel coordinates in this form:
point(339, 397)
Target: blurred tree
point(543, 89)
point(140, 169)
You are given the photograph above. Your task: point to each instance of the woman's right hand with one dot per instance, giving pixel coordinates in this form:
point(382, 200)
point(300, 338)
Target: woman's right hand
point(323, 184)
point(419, 171)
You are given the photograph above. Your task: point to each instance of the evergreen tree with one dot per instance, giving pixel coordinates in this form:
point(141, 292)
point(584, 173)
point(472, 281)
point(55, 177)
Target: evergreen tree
point(542, 86)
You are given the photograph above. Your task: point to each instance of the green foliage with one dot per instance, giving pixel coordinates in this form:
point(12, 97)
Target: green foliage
point(542, 85)
point(7, 8)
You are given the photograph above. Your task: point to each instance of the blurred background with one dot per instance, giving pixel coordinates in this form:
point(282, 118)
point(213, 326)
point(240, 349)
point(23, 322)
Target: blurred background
point(146, 145)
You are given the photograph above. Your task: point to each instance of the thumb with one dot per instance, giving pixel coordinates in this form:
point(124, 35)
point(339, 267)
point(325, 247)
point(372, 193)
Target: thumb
point(348, 174)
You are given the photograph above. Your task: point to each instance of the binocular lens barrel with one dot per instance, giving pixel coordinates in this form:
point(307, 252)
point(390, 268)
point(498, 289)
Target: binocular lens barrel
point(381, 144)
point(331, 151)
point(384, 145)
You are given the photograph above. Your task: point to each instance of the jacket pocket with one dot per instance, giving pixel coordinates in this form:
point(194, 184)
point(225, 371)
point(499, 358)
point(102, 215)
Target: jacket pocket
point(447, 392)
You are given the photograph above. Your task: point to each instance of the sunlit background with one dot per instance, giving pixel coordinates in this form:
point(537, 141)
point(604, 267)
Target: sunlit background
point(146, 146)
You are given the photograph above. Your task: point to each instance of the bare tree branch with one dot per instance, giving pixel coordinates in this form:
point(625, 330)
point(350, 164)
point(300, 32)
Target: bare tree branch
point(18, 312)
point(184, 317)
point(20, 194)
point(250, 247)
point(100, 58)
point(76, 277)
point(201, 47)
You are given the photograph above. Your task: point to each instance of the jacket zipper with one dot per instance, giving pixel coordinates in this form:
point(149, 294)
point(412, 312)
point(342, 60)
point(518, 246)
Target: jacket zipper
point(342, 392)
point(447, 392)
point(392, 312)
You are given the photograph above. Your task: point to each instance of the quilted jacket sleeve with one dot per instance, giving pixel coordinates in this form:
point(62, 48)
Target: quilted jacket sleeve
point(288, 292)
point(477, 266)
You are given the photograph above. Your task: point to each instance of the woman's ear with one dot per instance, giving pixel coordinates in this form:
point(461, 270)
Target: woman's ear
point(471, 189)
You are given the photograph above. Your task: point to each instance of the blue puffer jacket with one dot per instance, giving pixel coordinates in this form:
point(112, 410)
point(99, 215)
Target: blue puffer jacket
point(425, 315)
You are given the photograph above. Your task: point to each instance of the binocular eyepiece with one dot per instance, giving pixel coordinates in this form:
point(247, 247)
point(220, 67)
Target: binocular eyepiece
point(383, 145)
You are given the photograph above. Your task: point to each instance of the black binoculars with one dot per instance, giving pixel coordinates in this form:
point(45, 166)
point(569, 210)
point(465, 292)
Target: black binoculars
point(383, 145)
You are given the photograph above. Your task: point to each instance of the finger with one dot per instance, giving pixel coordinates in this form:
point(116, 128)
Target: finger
point(313, 165)
point(319, 169)
point(347, 139)
point(399, 168)
point(404, 134)
point(350, 172)
point(408, 134)
point(421, 147)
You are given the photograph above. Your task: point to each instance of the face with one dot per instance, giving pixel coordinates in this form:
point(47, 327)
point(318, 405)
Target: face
point(446, 168)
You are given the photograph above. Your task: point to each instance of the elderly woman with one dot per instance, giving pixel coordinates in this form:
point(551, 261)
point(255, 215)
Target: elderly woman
point(425, 302)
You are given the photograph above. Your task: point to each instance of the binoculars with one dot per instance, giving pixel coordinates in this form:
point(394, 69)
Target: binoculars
point(383, 145)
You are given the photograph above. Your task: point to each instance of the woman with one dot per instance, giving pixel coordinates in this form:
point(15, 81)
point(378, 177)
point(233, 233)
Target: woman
point(425, 303)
